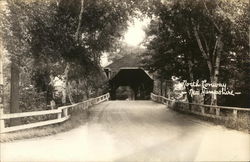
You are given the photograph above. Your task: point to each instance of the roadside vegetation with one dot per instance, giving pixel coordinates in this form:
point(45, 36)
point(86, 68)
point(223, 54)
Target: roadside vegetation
point(241, 123)
point(78, 118)
point(200, 40)
point(52, 51)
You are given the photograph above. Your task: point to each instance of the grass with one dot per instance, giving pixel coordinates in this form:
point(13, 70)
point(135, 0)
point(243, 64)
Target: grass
point(81, 117)
point(242, 123)
point(77, 118)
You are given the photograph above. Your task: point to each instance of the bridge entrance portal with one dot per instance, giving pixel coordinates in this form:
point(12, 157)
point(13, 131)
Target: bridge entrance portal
point(136, 79)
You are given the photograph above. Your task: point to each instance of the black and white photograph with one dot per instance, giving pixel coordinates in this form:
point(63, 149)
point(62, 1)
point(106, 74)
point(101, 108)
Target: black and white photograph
point(124, 80)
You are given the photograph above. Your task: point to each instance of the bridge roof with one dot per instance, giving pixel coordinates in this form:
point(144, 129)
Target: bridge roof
point(128, 76)
point(128, 61)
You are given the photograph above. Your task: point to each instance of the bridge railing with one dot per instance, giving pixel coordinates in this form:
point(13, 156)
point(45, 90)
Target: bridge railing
point(62, 114)
point(218, 112)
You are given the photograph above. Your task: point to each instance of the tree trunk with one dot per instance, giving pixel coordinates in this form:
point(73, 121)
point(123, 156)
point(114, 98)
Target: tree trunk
point(212, 62)
point(86, 88)
point(191, 79)
point(14, 93)
point(166, 90)
point(215, 74)
point(67, 87)
point(213, 98)
point(64, 92)
point(77, 35)
point(1, 80)
point(168, 85)
point(161, 88)
point(217, 58)
point(71, 100)
point(1, 88)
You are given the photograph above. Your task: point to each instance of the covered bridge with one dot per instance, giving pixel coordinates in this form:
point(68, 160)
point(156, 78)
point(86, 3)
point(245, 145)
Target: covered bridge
point(127, 80)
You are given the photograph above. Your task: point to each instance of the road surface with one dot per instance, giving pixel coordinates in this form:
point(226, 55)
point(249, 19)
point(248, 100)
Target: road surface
point(135, 131)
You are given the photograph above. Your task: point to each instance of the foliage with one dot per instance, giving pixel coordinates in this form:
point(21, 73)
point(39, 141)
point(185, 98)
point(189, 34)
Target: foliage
point(78, 118)
point(45, 33)
point(199, 40)
point(124, 50)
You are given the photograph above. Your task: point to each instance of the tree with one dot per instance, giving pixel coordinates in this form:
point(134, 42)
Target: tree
point(92, 38)
point(123, 50)
point(63, 38)
point(196, 38)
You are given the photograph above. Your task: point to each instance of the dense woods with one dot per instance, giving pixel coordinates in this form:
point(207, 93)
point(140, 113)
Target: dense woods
point(47, 41)
point(201, 40)
point(62, 41)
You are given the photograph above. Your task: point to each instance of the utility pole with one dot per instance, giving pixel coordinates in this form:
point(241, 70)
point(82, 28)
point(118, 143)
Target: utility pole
point(1, 78)
point(3, 5)
point(1, 86)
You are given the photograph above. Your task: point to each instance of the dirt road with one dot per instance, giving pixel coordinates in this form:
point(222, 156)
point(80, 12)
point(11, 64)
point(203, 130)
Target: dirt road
point(135, 131)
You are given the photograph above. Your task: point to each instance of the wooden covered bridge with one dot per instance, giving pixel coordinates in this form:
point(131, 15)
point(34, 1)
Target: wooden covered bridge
point(127, 73)
point(147, 130)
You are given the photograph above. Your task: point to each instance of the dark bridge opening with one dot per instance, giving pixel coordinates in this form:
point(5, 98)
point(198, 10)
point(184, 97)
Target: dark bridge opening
point(135, 78)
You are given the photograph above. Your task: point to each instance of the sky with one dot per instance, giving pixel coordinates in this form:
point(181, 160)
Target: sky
point(133, 36)
point(135, 33)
